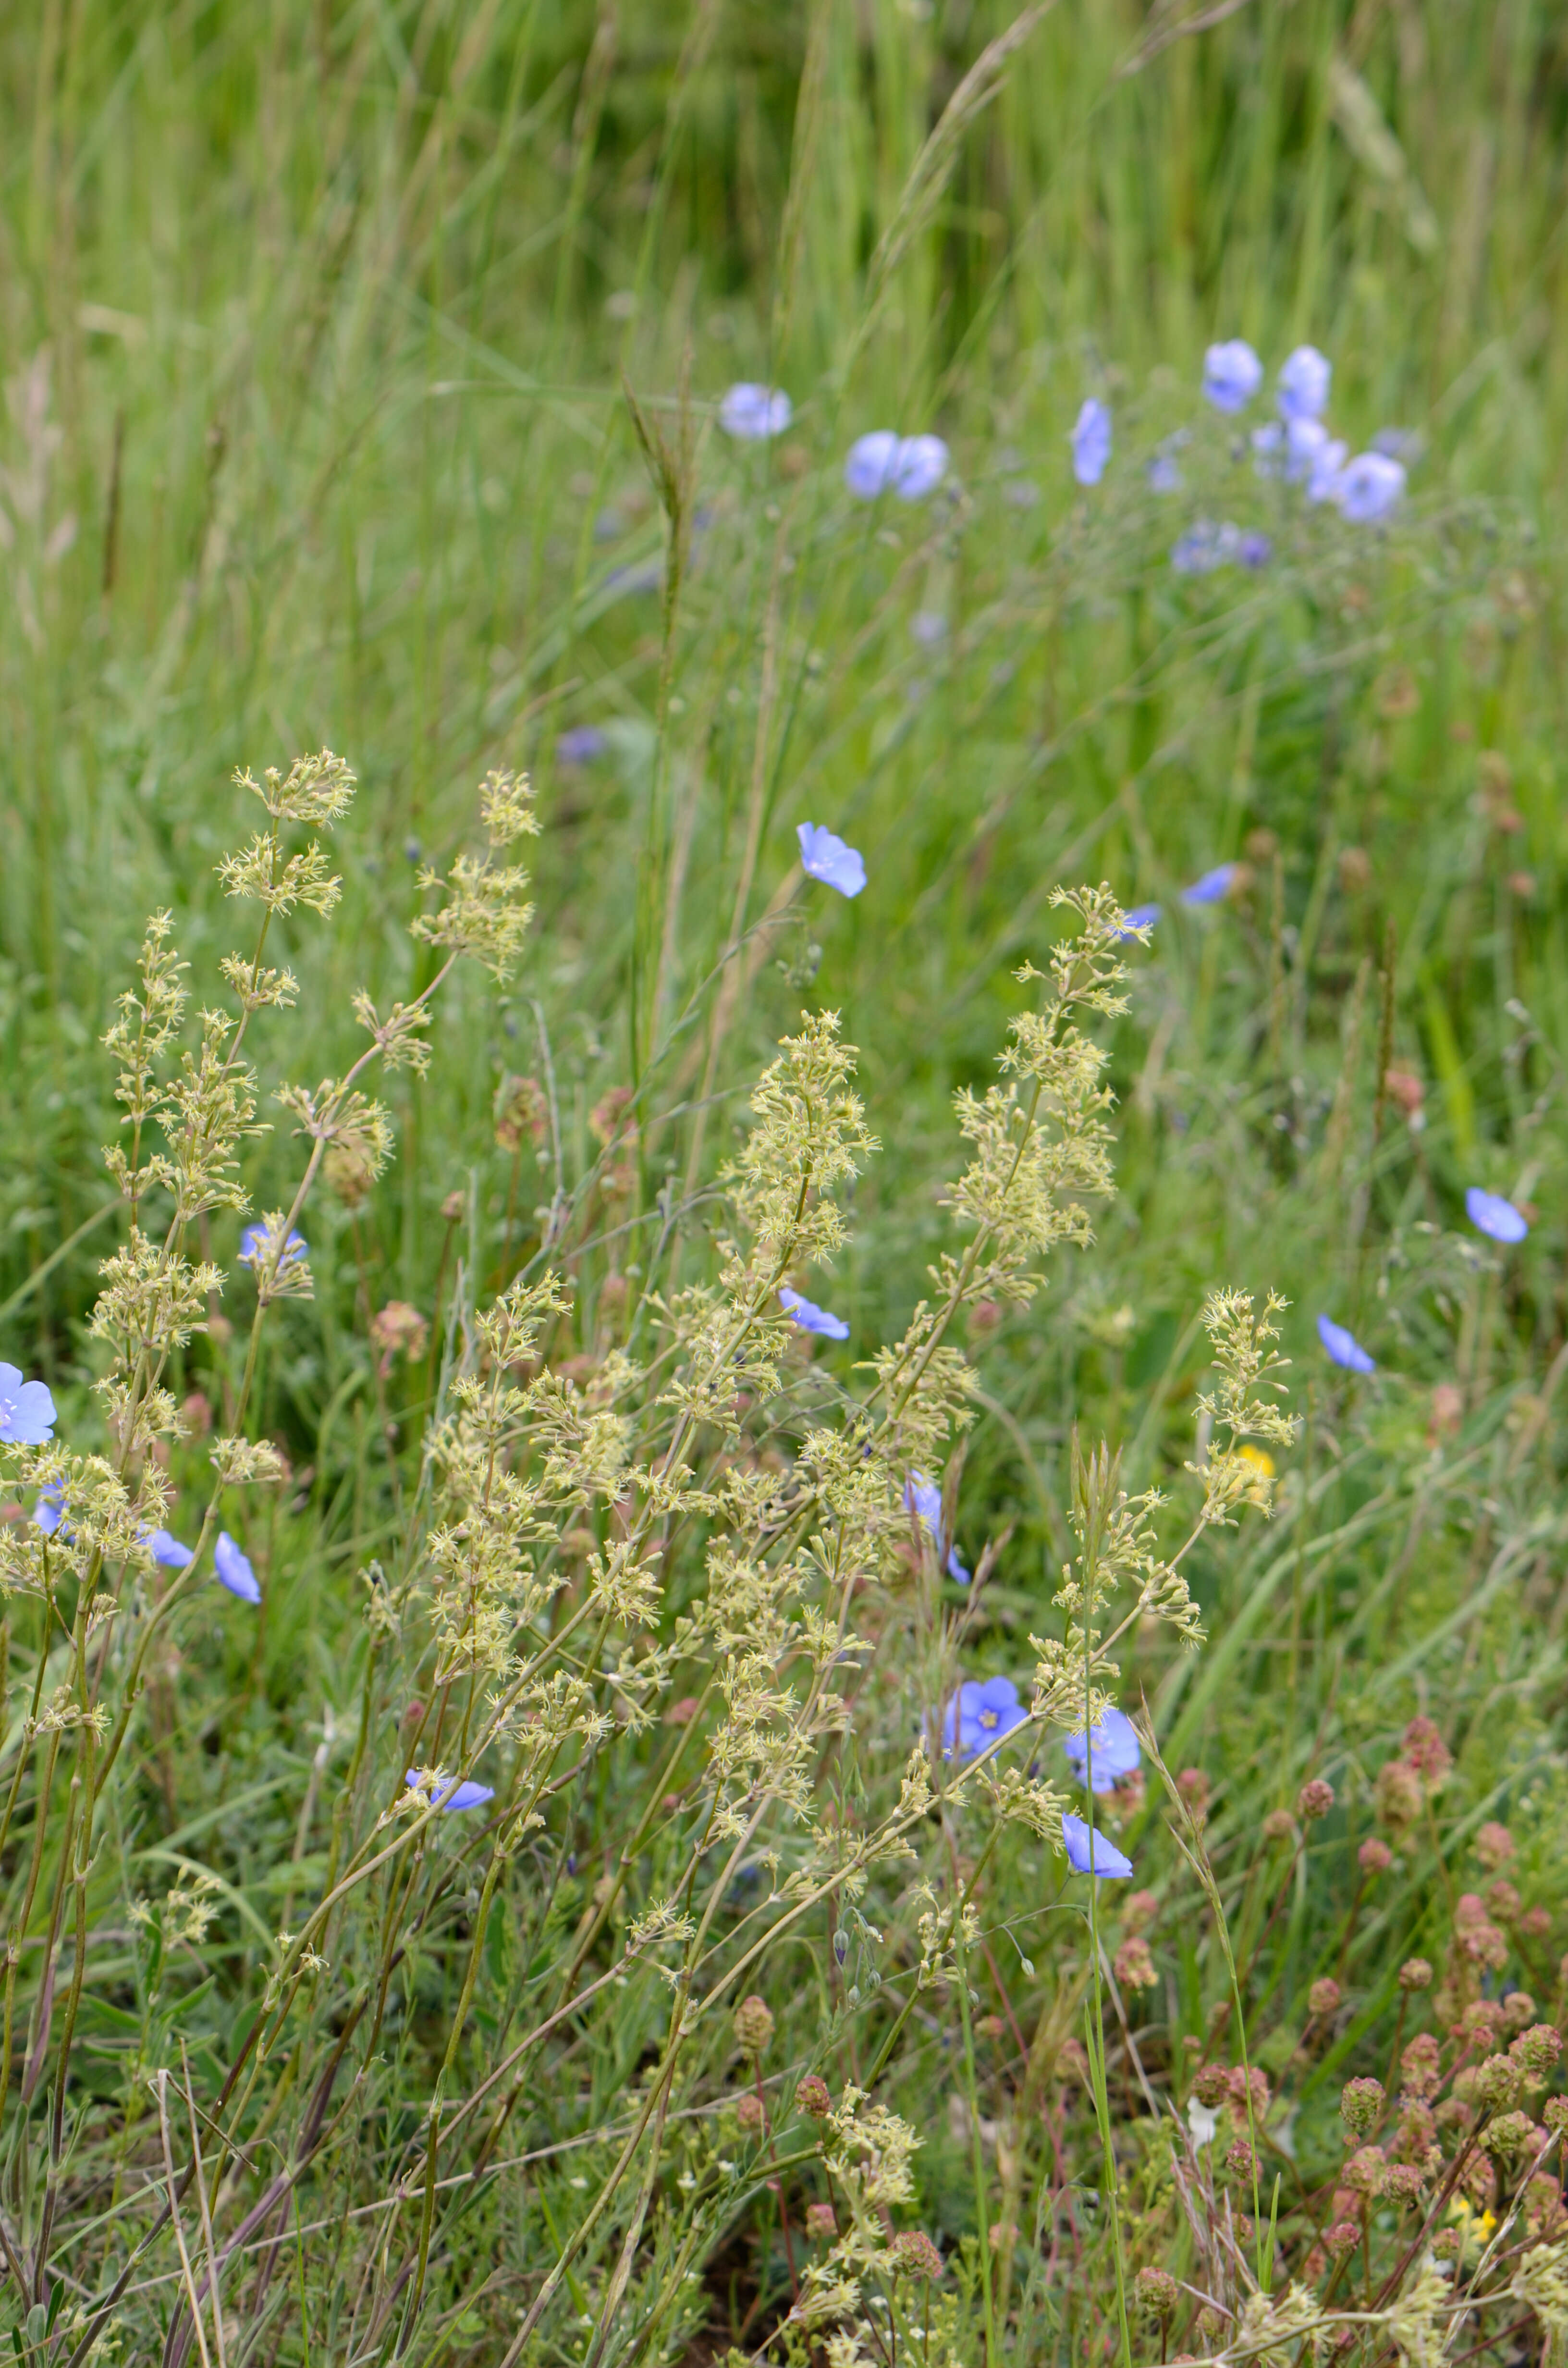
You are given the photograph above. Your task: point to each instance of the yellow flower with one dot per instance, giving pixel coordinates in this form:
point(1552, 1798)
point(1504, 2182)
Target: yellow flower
point(1258, 1457)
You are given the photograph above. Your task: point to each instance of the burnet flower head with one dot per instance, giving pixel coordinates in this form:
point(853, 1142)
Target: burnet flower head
point(1490, 1214)
point(1090, 440)
point(923, 1499)
point(981, 1708)
point(27, 1410)
point(1232, 374)
point(1089, 1852)
point(1106, 1754)
point(752, 413)
point(884, 462)
point(1342, 1346)
point(826, 856)
point(812, 1318)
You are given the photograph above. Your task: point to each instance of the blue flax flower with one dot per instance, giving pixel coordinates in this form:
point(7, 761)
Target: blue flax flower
point(233, 1571)
point(923, 1498)
point(1255, 550)
point(168, 1551)
point(753, 413)
point(1213, 888)
point(1304, 384)
point(49, 1513)
point(1206, 546)
point(1369, 487)
point(1089, 1852)
point(982, 1709)
point(1490, 1214)
point(1111, 1751)
point(812, 1318)
point(1232, 374)
point(444, 1792)
point(827, 858)
point(27, 1410)
point(1090, 440)
point(581, 745)
point(1141, 916)
point(882, 462)
point(1344, 1347)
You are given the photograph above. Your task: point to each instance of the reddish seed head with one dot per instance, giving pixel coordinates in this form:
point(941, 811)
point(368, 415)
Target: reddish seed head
point(1420, 2066)
point(820, 2221)
point(1315, 1799)
point(916, 2254)
point(1211, 2085)
point(1134, 1965)
point(1140, 1912)
point(1279, 1826)
point(1416, 1974)
point(1397, 1795)
point(1425, 1750)
point(1325, 1998)
point(1367, 2170)
point(1157, 2292)
point(1374, 1857)
point(1342, 2237)
point(1494, 1845)
point(1361, 2105)
point(813, 2096)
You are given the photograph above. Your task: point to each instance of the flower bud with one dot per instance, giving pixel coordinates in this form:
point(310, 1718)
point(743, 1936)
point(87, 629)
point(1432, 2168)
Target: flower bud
point(753, 2025)
point(1420, 2066)
point(1140, 1912)
point(1499, 2084)
point(1536, 2050)
point(1494, 1845)
point(1342, 2237)
point(1425, 1750)
point(1510, 2133)
point(1314, 1800)
point(1519, 2010)
point(821, 2221)
point(1402, 2181)
point(1240, 2160)
point(749, 2110)
point(813, 2096)
point(1279, 1826)
point(1397, 1795)
point(1367, 2170)
point(1211, 2085)
point(1134, 1965)
point(1416, 1974)
point(1374, 1857)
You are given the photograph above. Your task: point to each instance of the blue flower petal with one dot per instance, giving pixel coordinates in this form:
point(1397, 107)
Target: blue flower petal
point(1490, 1214)
point(1089, 1853)
point(27, 1410)
point(812, 1318)
point(233, 1571)
point(752, 413)
point(1091, 440)
point(1304, 381)
point(1141, 916)
point(1111, 1751)
point(826, 856)
point(444, 1792)
point(1232, 374)
point(1213, 888)
point(168, 1551)
point(1344, 1347)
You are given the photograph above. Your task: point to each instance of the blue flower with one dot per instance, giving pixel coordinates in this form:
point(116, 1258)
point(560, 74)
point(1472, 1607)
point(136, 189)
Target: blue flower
point(49, 1513)
point(813, 1319)
point(1089, 1852)
point(1398, 443)
point(1205, 546)
point(1305, 383)
point(174, 1557)
point(1255, 550)
point(581, 745)
point(753, 413)
point(256, 1248)
point(1344, 1347)
point(1231, 375)
point(929, 627)
point(923, 1498)
point(1090, 440)
point(233, 1571)
point(1369, 487)
point(981, 1710)
point(1490, 1214)
point(1213, 888)
point(27, 1410)
point(827, 858)
point(1111, 1751)
point(1141, 916)
point(1327, 463)
point(910, 466)
point(445, 1794)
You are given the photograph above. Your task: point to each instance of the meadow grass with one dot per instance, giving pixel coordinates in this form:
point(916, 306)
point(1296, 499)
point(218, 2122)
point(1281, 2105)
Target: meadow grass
point(362, 369)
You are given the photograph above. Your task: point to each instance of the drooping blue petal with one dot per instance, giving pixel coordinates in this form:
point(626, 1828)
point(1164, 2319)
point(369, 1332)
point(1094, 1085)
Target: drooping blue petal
point(50, 1510)
point(446, 1792)
point(812, 1318)
point(826, 856)
point(920, 467)
point(168, 1551)
point(1089, 1852)
point(233, 1570)
point(1090, 440)
point(1140, 917)
point(1213, 888)
point(1490, 1214)
point(1342, 1346)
